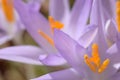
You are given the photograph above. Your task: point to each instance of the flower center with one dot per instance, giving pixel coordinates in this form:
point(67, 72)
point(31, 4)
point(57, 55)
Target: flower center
point(94, 62)
point(54, 25)
point(118, 14)
point(8, 9)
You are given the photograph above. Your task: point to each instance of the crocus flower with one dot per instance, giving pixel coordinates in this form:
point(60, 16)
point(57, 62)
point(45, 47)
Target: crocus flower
point(34, 22)
point(86, 64)
point(10, 23)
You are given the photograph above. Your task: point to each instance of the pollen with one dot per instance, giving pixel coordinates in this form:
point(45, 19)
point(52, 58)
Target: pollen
point(88, 62)
point(8, 9)
point(104, 65)
point(45, 36)
point(118, 14)
point(54, 24)
point(94, 62)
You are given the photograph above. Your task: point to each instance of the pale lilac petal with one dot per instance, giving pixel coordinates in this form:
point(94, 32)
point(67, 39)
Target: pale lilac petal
point(96, 18)
point(107, 9)
point(35, 4)
point(24, 54)
point(59, 9)
point(108, 6)
point(67, 47)
point(114, 56)
point(79, 16)
point(52, 59)
point(68, 74)
point(88, 36)
point(33, 22)
point(117, 66)
point(111, 31)
point(113, 53)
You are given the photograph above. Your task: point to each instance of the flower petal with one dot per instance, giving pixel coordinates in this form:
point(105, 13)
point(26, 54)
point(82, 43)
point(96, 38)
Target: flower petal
point(67, 47)
point(59, 9)
point(88, 36)
point(111, 31)
point(34, 22)
point(68, 74)
point(24, 54)
point(113, 53)
point(79, 16)
point(52, 60)
point(96, 18)
point(35, 4)
point(108, 6)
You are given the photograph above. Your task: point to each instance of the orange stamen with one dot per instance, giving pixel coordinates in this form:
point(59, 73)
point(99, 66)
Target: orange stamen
point(94, 62)
point(45, 36)
point(8, 9)
point(118, 14)
point(55, 24)
point(88, 62)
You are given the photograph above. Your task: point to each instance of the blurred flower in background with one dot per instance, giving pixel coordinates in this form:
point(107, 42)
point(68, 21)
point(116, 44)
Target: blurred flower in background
point(11, 26)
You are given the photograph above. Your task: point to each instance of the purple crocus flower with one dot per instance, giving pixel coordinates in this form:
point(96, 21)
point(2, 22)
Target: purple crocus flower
point(83, 67)
point(34, 21)
point(10, 23)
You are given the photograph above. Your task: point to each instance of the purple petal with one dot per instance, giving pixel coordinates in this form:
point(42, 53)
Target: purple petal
point(96, 18)
point(108, 6)
point(35, 5)
point(24, 54)
point(114, 53)
point(67, 47)
point(79, 16)
point(114, 56)
point(52, 60)
point(68, 74)
point(88, 36)
point(59, 9)
point(111, 31)
point(33, 22)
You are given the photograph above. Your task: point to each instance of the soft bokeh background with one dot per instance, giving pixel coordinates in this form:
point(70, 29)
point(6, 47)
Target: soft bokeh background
point(12, 70)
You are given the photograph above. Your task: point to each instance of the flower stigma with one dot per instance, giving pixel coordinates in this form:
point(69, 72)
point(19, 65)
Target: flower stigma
point(118, 14)
point(54, 25)
point(94, 62)
point(8, 9)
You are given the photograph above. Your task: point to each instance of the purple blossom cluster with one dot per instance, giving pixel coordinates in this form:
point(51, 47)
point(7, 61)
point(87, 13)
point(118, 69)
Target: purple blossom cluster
point(85, 37)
